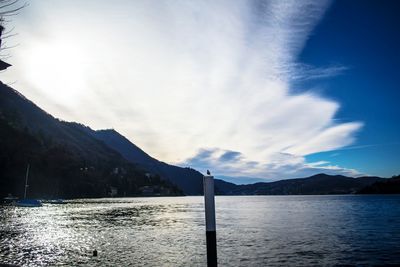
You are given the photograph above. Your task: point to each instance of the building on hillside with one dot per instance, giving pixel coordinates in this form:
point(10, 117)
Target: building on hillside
point(113, 191)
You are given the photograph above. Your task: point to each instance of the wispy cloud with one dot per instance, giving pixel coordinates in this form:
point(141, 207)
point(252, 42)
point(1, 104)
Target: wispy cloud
point(178, 77)
point(306, 72)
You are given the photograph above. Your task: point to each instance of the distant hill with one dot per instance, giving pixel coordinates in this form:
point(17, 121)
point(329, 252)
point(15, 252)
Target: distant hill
point(314, 185)
point(387, 186)
point(66, 161)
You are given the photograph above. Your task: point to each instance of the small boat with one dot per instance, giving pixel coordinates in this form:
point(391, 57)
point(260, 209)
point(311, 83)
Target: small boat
point(27, 202)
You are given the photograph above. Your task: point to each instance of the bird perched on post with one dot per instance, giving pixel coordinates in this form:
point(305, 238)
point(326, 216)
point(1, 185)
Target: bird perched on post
point(208, 172)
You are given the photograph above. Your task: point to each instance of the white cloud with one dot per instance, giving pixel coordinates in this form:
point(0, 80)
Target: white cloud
point(179, 76)
point(280, 166)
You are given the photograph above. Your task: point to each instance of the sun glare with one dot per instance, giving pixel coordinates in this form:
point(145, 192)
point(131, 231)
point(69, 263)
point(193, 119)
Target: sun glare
point(57, 68)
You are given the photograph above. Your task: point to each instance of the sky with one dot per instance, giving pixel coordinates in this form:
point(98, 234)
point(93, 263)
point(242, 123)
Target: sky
point(252, 90)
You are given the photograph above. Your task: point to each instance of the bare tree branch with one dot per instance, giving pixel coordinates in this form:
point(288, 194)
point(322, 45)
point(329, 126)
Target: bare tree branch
point(9, 47)
point(8, 8)
point(13, 11)
point(9, 35)
point(10, 3)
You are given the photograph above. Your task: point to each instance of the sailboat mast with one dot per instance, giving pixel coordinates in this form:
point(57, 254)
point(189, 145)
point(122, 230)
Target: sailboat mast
point(26, 180)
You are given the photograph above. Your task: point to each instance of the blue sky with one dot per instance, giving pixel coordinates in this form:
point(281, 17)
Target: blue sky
point(252, 90)
point(365, 37)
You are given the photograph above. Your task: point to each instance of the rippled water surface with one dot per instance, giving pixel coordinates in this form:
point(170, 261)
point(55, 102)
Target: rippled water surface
point(251, 231)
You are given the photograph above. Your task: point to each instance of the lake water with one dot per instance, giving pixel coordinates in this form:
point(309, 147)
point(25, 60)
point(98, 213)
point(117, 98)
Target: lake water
point(251, 231)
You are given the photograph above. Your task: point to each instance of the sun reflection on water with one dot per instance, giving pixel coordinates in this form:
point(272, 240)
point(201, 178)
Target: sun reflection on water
point(297, 230)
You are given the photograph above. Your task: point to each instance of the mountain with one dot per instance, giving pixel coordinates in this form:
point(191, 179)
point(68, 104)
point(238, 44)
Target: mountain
point(387, 186)
point(187, 179)
point(84, 146)
point(190, 181)
point(314, 185)
point(66, 160)
point(72, 160)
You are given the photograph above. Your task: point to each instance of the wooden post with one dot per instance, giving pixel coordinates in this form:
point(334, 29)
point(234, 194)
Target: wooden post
point(211, 236)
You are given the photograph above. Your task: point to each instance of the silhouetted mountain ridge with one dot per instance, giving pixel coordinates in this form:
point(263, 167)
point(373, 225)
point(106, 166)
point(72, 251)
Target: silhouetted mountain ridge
point(387, 186)
point(66, 160)
point(74, 160)
point(189, 180)
point(317, 184)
